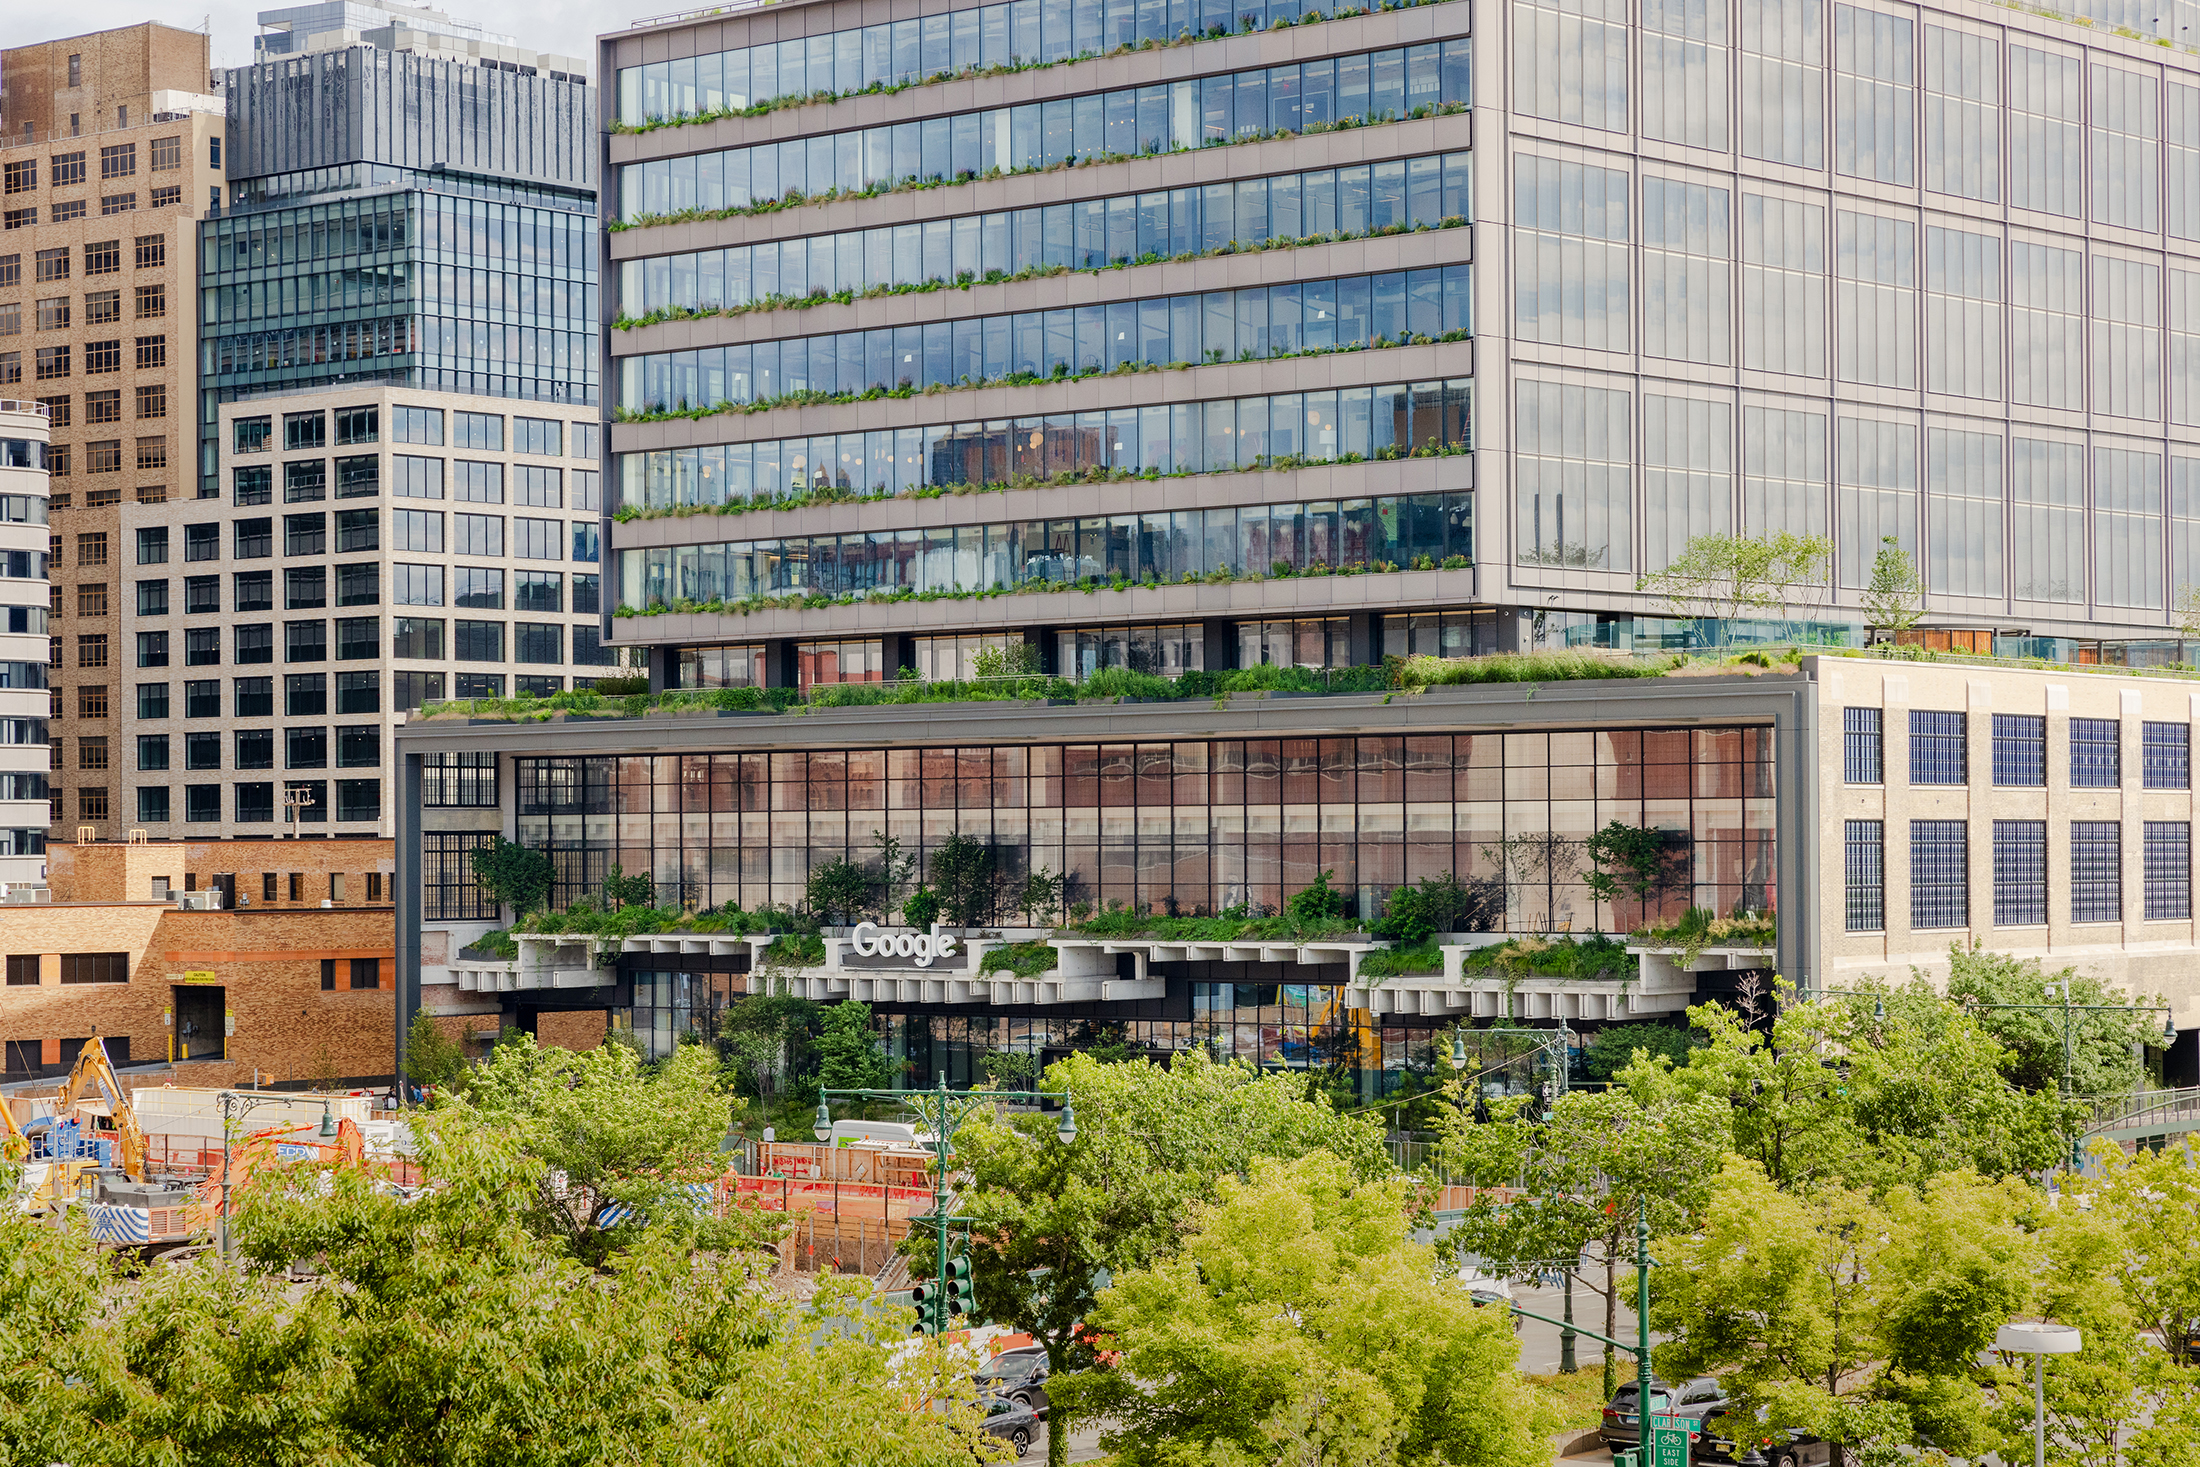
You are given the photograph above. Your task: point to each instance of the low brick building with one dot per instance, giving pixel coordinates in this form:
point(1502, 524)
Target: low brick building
point(269, 958)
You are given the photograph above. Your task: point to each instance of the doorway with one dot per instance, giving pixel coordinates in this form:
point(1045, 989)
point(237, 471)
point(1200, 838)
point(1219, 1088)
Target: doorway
point(200, 1010)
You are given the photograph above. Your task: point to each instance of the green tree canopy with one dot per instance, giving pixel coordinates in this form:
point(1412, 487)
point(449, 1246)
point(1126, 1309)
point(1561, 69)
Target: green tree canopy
point(1297, 1325)
point(515, 875)
point(2102, 1044)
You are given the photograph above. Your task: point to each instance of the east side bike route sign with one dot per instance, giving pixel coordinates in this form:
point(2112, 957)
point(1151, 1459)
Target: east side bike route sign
point(1669, 1439)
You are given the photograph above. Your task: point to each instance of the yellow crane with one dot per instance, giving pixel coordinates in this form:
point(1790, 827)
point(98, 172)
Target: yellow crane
point(94, 1072)
point(14, 1145)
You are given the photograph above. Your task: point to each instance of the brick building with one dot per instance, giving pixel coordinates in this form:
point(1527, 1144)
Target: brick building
point(110, 149)
point(288, 977)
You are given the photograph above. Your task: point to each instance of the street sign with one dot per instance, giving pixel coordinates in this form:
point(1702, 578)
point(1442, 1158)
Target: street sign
point(1669, 1439)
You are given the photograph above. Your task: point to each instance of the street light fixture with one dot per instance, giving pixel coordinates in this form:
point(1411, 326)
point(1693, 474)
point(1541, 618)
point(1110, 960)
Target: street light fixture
point(234, 1108)
point(328, 1122)
point(2039, 1341)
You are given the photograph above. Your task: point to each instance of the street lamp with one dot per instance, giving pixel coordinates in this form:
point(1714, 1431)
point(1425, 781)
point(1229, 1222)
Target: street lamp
point(2066, 1008)
point(2039, 1341)
point(328, 1122)
point(944, 1111)
point(235, 1106)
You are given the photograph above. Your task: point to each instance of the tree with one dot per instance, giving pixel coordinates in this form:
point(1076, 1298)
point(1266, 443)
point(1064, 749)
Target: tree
point(1722, 578)
point(1440, 904)
point(1315, 903)
point(514, 874)
point(1616, 1046)
point(1017, 659)
point(1855, 1320)
point(1895, 598)
point(622, 890)
point(2103, 1043)
point(966, 874)
point(614, 1142)
point(1631, 861)
point(432, 1057)
point(848, 1052)
point(838, 892)
point(922, 908)
point(1585, 1174)
point(1041, 894)
point(1049, 1221)
point(1297, 1324)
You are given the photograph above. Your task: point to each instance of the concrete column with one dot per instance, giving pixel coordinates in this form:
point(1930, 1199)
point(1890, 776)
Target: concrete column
point(661, 670)
point(1359, 639)
point(1220, 649)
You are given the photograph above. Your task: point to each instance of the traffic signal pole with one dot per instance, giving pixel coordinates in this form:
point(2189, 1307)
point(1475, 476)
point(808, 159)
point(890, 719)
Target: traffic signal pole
point(1640, 1349)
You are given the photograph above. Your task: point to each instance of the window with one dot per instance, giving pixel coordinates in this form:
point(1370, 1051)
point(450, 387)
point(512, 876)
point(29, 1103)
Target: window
point(152, 351)
point(152, 400)
point(95, 967)
point(152, 598)
point(478, 641)
point(23, 970)
point(358, 692)
point(152, 454)
point(152, 804)
point(117, 204)
point(152, 545)
point(101, 357)
point(358, 476)
point(305, 641)
point(587, 595)
point(53, 264)
point(91, 702)
point(541, 487)
point(152, 302)
point(1937, 748)
point(2096, 871)
point(152, 751)
point(305, 748)
point(359, 799)
point(365, 972)
point(478, 431)
point(103, 456)
point(417, 530)
point(305, 534)
point(416, 585)
point(359, 746)
point(544, 436)
point(152, 647)
point(152, 251)
point(2165, 756)
point(255, 538)
point(214, 153)
point(458, 781)
point(255, 644)
point(305, 481)
point(587, 490)
point(308, 799)
point(537, 591)
point(355, 425)
point(589, 650)
point(203, 698)
point(328, 969)
point(1864, 875)
point(538, 642)
point(2020, 750)
point(413, 477)
point(359, 585)
point(251, 435)
point(202, 750)
point(26, 218)
point(358, 638)
point(51, 363)
point(164, 154)
point(76, 79)
point(253, 591)
point(53, 314)
point(2096, 760)
point(118, 161)
point(91, 650)
point(91, 753)
point(255, 803)
point(417, 425)
point(19, 178)
point(361, 530)
point(476, 483)
point(585, 549)
point(478, 534)
point(1862, 744)
point(305, 587)
point(305, 694)
point(409, 690)
point(529, 685)
point(478, 588)
point(448, 891)
point(1570, 241)
point(202, 595)
point(202, 647)
point(255, 748)
point(585, 441)
point(152, 700)
point(1940, 874)
point(417, 637)
point(2168, 877)
point(203, 542)
point(91, 802)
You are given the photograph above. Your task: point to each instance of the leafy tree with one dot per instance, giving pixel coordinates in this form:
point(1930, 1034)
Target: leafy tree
point(1041, 894)
point(1585, 1173)
point(1630, 861)
point(838, 892)
point(514, 874)
point(966, 874)
point(1854, 1319)
point(1614, 1047)
point(1721, 578)
point(2153, 1200)
point(1018, 659)
point(922, 908)
point(622, 890)
point(2185, 613)
point(1008, 1069)
point(1895, 598)
point(613, 1140)
point(1049, 1222)
point(766, 1041)
point(2102, 1043)
point(1316, 902)
point(1297, 1324)
point(1438, 904)
point(848, 1052)
point(432, 1057)
point(895, 869)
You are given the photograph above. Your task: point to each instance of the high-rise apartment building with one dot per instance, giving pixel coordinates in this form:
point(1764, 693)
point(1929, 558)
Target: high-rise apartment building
point(396, 488)
point(23, 673)
point(110, 150)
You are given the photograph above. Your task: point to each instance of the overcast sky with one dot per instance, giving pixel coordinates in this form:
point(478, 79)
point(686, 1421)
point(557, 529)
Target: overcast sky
point(567, 27)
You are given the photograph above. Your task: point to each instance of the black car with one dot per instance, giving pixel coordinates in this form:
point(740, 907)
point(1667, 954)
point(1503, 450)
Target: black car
point(1019, 1376)
point(1011, 1421)
point(1722, 1442)
point(1621, 1425)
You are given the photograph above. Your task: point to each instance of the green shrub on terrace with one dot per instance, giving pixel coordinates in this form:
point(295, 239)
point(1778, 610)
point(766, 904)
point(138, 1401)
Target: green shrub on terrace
point(1562, 956)
point(1024, 959)
point(1397, 962)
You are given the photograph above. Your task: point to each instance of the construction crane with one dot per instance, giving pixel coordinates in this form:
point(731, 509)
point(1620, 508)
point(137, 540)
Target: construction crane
point(93, 1072)
point(14, 1145)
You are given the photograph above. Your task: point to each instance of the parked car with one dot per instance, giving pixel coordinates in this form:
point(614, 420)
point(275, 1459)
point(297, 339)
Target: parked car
point(1487, 1290)
point(1622, 1426)
point(1723, 1441)
point(1012, 1421)
point(1018, 1375)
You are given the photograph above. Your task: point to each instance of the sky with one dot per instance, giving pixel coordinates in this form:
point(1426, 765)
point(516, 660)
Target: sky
point(567, 27)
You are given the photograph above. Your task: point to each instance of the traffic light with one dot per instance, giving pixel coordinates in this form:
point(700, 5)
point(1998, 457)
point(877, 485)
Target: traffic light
point(960, 1290)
